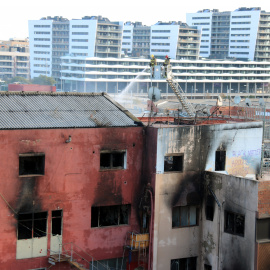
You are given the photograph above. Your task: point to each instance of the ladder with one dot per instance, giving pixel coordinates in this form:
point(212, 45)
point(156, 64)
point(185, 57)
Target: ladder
point(179, 93)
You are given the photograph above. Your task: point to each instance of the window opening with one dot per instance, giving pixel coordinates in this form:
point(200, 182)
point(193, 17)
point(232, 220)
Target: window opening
point(220, 161)
point(184, 264)
point(173, 163)
point(184, 216)
point(103, 216)
point(32, 225)
point(112, 160)
point(207, 267)
point(31, 164)
point(263, 229)
point(210, 207)
point(57, 222)
point(234, 223)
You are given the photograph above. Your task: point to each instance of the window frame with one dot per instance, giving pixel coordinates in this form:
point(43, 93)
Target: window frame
point(185, 261)
point(180, 210)
point(267, 221)
point(169, 155)
point(218, 167)
point(32, 227)
point(32, 155)
point(93, 223)
point(112, 153)
point(234, 231)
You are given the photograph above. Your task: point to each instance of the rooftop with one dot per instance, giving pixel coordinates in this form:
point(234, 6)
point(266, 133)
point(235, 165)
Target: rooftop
point(28, 110)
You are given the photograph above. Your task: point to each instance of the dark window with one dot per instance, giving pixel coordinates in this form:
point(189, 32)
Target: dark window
point(263, 229)
point(210, 207)
point(173, 163)
point(57, 222)
point(234, 223)
point(220, 161)
point(32, 225)
point(207, 267)
point(31, 164)
point(112, 160)
point(184, 216)
point(184, 264)
point(103, 216)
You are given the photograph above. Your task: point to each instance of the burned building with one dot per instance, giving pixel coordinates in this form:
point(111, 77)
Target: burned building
point(70, 174)
point(206, 192)
point(85, 184)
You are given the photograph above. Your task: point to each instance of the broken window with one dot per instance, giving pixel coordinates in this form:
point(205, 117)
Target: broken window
point(32, 225)
point(184, 264)
point(210, 207)
point(57, 222)
point(102, 216)
point(263, 229)
point(234, 223)
point(173, 163)
point(220, 161)
point(31, 164)
point(184, 216)
point(112, 160)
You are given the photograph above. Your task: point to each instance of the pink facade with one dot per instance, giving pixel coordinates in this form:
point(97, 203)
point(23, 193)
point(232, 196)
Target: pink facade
point(73, 182)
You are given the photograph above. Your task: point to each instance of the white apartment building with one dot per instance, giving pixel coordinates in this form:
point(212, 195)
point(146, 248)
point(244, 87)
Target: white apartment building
point(204, 77)
point(232, 33)
point(53, 37)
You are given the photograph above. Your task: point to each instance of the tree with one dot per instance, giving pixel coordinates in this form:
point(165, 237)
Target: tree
point(43, 80)
point(18, 79)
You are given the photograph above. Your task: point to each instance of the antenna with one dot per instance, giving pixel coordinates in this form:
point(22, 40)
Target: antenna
point(248, 102)
point(237, 99)
point(261, 102)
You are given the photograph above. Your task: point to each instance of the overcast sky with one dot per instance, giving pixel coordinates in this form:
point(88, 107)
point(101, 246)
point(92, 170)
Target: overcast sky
point(15, 14)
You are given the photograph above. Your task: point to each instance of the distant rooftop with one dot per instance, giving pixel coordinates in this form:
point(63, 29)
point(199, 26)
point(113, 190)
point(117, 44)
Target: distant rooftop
point(62, 110)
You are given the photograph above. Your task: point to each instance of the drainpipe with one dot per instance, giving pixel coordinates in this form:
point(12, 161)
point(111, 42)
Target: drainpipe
point(150, 228)
point(219, 224)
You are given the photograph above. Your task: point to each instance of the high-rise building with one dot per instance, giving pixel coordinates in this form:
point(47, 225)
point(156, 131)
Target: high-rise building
point(175, 39)
point(53, 37)
point(241, 34)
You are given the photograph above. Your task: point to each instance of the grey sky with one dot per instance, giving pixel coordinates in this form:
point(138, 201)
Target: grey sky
point(15, 14)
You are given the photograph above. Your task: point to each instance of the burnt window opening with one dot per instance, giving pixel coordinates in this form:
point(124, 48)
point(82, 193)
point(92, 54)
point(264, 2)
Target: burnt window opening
point(173, 163)
point(210, 207)
point(207, 267)
point(185, 216)
point(263, 229)
point(184, 264)
point(113, 160)
point(234, 223)
point(220, 162)
point(57, 222)
point(31, 164)
point(31, 225)
point(115, 215)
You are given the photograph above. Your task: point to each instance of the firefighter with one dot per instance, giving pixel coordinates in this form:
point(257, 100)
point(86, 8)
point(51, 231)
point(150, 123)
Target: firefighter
point(152, 64)
point(165, 64)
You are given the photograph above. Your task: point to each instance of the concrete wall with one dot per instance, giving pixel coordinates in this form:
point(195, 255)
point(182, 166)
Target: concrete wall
point(198, 144)
point(72, 182)
point(237, 195)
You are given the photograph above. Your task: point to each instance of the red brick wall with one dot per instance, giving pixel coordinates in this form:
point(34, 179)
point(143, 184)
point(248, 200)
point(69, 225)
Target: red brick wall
point(264, 199)
point(31, 88)
point(263, 256)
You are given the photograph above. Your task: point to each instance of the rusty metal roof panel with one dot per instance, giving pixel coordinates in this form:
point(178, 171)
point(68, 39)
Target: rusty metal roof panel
point(54, 110)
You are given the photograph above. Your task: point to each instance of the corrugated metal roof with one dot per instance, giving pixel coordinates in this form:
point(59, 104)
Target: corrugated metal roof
point(62, 110)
